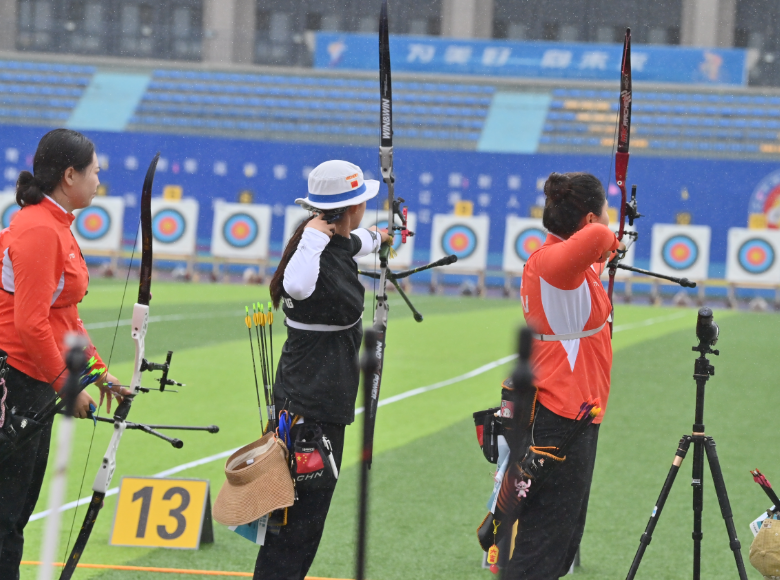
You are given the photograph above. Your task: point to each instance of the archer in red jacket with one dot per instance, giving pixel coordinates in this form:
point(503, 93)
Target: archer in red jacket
point(43, 277)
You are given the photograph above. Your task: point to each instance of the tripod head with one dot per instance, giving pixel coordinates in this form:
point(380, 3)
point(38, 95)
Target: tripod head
point(707, 331)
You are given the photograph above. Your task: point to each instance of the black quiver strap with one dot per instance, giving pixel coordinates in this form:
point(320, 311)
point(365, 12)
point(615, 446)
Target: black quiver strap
point(488, 427)
point(518, 409)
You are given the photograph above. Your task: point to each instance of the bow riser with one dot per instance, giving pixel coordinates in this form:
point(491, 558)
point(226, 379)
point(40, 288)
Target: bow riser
point(140, 323)
point(108, 466)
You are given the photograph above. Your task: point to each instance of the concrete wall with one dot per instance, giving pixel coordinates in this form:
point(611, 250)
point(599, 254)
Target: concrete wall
point(708, 23)
point(7, 24)
point(467, 18)
point(228, 31)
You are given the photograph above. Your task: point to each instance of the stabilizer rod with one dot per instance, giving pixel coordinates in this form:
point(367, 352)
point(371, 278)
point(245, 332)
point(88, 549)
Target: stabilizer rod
point(446, 261)
point(684, 282)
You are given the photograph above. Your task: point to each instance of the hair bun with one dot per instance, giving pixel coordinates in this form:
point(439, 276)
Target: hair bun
point(28, 189)
point(25, 179)
point(557, 187)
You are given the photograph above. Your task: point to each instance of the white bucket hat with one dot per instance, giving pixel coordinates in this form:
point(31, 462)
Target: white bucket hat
point(336, 184)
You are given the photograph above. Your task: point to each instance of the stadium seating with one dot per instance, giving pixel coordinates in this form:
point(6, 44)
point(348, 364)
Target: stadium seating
point(40, 93)
point(316, 106)
point(313, 107)
point(664, 122)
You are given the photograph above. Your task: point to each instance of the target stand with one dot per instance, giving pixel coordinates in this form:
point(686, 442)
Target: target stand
point(522, 237)
point(217, 274)
point(465, 237)
point(174, 231)
point(752, 262)
point(98, 230)
point(240, 235)
point(680, 251)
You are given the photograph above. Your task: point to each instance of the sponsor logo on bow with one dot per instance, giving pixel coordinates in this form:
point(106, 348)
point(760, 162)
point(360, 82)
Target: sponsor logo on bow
point(387, 130)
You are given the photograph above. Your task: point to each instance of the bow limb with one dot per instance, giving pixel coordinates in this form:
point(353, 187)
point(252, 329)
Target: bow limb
point(139, 325)
point(388, 176)
point(622, 153)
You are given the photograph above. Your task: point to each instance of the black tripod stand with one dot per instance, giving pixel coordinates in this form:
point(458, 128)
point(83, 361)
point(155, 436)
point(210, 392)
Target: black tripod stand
point(707, 333)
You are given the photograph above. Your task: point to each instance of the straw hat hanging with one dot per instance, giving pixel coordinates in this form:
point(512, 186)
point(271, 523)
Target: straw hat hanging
point(258, 482)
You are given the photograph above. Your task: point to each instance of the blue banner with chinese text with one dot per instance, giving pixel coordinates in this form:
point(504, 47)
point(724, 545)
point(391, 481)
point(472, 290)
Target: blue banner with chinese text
point(575, 61)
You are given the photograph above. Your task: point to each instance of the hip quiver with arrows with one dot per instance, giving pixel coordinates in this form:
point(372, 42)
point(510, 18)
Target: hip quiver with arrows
point(528, 465)
point(516, 417)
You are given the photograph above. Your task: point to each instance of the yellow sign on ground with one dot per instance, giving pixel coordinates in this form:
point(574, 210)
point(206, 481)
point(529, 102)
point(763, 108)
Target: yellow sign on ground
point(162, 513)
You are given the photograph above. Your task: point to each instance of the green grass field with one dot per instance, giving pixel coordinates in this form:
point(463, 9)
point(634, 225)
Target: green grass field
point(430, 482)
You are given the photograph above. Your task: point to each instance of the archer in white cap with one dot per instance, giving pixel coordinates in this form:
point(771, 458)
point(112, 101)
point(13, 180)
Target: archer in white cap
point(317, 378)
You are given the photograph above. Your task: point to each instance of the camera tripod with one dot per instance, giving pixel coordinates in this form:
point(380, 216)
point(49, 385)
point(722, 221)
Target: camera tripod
point(707, 333)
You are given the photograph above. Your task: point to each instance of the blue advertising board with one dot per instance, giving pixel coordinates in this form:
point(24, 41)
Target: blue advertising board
point(718, 193)
point(578, 61)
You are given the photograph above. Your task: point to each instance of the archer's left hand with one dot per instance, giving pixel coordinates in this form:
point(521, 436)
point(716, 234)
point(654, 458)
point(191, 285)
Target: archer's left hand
point(114, 391)
point(606, 255)
point(386, 238)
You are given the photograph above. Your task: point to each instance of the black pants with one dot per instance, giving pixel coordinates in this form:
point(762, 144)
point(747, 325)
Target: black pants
point(21, 475)
point(289, 555)
point(551, 523)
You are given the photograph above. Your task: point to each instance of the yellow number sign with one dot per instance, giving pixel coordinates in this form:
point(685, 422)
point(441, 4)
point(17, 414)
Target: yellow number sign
point(464, 208)
point(173, 192)
point(162, 513)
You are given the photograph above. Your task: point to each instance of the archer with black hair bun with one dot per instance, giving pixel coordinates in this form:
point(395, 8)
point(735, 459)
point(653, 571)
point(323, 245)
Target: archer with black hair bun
point(565, 303)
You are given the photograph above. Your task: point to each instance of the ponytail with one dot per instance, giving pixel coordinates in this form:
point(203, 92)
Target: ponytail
point(277, 282)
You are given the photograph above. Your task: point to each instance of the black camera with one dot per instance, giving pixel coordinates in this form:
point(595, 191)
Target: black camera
point(706, 330)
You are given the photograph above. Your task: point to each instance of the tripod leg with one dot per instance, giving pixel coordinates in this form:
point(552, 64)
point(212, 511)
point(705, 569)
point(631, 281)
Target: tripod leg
point(725, 505)
point(647, 536)
point(698, 502)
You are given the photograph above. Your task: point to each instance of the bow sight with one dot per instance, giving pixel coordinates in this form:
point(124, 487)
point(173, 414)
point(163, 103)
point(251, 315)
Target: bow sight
point(164, 367)
point(401, 212)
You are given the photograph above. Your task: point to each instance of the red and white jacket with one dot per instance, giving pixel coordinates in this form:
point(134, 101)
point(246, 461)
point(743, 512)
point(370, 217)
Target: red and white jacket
point(562, 293)
point(43, 278)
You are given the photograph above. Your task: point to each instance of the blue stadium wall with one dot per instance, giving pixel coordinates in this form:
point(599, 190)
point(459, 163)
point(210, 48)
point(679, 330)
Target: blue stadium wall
point(718, 191)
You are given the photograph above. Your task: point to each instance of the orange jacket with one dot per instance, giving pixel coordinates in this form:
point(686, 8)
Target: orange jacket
point(44, 277)
point(562, 293)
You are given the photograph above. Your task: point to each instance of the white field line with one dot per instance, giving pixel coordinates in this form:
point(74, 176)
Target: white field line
point(649, 321)
point(163, 318)
point(388, 401)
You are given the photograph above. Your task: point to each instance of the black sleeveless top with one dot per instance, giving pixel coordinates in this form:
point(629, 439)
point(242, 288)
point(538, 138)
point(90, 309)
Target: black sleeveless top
point(318, 374)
